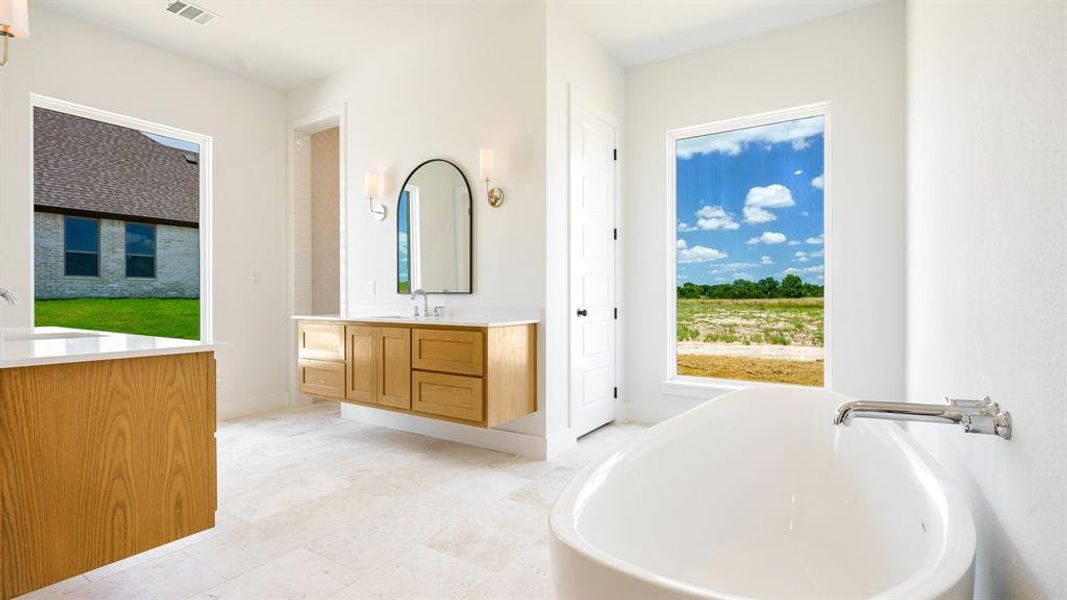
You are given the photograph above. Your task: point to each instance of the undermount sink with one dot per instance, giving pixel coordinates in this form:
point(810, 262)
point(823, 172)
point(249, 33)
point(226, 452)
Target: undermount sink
point(62, 335)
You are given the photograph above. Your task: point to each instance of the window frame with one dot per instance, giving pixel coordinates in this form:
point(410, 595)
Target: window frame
point(696, 386)
point(127, 254)
point(205, 163)
point(66, 219)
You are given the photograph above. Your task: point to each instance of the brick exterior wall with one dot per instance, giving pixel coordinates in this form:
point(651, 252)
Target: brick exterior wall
point(177, 263)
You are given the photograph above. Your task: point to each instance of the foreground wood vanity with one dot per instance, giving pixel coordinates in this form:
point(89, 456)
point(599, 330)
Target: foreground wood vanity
point(102, 459)
point(482, 376)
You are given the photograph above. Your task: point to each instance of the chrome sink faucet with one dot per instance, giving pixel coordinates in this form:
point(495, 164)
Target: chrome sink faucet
point(976, 416)
point(8, 297)
point(425, 303)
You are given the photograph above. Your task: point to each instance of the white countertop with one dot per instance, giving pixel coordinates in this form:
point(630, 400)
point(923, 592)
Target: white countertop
point(29, 347)
point(458, 320)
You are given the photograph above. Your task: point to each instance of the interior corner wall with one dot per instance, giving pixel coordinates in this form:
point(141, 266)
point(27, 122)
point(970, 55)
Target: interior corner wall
point(987, 270)
point(478, 85)
point(72, 60)
point(855, 61)
point(577, 64)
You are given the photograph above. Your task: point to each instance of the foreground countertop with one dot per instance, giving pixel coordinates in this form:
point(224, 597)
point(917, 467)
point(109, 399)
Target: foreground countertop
point(459, 320)
point(34, 346)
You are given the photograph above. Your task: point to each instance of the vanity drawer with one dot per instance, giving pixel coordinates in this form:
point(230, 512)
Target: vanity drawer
point(448, 350)
point(322, 378)
point(322, 341)
point(452, 396)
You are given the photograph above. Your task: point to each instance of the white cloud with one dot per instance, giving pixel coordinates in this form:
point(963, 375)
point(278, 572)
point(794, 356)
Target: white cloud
point(768, 237)
point(816, 254)
point(759, 199)
point(715, 217)
point(801, 256)
point(732, 143)
point(815, 241)
point(699, 254)
point(766, 260)
point(796, 271)
point(721, 268)
point(798, 172)
point(683, 227)
point(740, 275)
point(681, 244)
point(795, 242)
point(817, 182)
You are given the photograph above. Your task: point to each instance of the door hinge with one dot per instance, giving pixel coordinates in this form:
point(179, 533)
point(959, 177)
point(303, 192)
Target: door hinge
point(615, 154)
point(615, 234)
point(616, 313)
point(615, 393)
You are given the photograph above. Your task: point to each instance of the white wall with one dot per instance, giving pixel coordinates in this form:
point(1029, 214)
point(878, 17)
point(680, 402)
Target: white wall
point(987, 269)
point(487, 80)
point(575, 64)
point(856, 62)
point(72, 60)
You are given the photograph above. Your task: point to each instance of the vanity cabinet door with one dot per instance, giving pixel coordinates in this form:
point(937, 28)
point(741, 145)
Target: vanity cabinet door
point(361, 378)
point(394, 368)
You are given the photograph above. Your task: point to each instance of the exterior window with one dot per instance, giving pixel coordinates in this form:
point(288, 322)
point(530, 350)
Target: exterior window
point(81, 247)
point(140, 250)
point(748, 242)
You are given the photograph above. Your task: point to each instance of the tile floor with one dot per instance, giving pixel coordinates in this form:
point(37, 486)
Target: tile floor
point(314, 506)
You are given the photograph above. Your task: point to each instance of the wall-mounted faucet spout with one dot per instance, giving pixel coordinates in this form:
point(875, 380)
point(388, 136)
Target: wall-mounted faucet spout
point(7, 296)
point(976, 416)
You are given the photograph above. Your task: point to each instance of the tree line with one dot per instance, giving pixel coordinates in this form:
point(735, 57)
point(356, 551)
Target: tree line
point(791, 286)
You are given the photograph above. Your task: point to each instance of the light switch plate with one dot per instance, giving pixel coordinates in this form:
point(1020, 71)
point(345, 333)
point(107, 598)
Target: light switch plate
point(371, 287)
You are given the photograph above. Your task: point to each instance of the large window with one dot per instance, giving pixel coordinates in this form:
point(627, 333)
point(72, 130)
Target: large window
point(81, 247)
point(749, 242)
point(140, 250)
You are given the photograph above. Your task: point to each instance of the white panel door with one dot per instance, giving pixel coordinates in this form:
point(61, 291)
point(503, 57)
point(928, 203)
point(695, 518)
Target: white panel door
point(592, 270)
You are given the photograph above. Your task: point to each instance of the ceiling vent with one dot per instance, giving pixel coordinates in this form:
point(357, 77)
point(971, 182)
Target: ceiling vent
point(191, 12)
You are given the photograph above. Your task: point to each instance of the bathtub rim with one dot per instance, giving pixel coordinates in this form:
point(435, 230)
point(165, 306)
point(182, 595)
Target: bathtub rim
point(932, 579)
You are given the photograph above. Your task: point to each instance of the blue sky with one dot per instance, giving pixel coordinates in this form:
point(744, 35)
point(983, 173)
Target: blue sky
point(750, 204)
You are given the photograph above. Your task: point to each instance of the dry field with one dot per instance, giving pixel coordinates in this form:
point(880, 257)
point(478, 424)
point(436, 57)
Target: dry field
point(770, 340)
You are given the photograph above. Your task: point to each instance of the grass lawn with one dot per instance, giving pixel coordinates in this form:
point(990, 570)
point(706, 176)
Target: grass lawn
point(164, 317)
point(767, 370)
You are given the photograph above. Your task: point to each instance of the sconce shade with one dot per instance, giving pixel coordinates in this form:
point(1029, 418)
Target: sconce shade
point(372, 181)
point(14, 18)
point(486, 163)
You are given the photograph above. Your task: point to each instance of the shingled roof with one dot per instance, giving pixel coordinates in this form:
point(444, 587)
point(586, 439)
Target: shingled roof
point(82, 166)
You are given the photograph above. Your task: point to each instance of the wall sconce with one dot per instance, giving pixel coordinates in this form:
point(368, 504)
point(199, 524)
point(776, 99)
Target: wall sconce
point(14, 23)
point(372, 184)
point(486, 164)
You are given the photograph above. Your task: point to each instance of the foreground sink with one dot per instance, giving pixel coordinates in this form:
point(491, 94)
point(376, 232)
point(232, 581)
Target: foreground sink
point(756, 494)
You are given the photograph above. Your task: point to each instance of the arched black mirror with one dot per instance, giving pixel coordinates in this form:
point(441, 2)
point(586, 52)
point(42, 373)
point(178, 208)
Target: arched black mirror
point(433, 230)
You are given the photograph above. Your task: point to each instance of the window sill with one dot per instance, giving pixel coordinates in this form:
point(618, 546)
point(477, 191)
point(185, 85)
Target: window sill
point(707, 387)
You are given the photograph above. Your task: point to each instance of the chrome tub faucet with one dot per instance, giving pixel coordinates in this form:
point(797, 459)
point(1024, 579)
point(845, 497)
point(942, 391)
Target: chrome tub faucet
point(975, 416)
point(8, 297)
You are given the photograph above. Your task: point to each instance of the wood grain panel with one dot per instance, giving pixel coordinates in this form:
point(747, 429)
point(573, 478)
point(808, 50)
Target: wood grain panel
point(394, 367)
point(322, 378)
point(101, 461)
point(361, 378)
point(322, 341)
point(449, 351)
point(452, 396)
point(511, 373)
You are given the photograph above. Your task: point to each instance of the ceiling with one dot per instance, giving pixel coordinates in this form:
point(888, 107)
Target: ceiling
point(638, 32)
point(280, 43)
point(290, 43)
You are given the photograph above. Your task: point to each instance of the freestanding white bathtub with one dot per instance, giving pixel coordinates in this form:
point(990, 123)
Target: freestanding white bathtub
point(757, 494)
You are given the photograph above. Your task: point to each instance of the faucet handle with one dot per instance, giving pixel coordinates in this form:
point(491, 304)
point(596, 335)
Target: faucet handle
point(982, 404)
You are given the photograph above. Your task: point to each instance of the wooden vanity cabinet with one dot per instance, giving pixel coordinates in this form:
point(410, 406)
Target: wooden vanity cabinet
point(481, 376)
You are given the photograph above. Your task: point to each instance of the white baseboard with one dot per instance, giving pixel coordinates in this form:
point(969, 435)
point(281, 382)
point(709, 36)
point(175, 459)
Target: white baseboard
point(494, 439)
point(231, 408)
